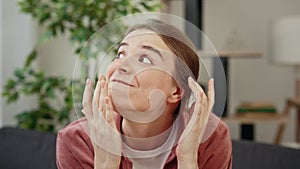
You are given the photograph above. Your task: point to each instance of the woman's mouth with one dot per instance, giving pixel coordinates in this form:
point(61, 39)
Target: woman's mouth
point(122, 82)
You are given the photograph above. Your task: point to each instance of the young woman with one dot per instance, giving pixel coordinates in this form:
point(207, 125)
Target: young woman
point(135, 116)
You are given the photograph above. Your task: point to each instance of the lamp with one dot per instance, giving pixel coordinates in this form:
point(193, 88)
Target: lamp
point(285, 44)
point(285, 49)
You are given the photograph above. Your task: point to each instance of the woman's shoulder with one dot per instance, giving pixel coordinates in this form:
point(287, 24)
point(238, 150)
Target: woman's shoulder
point(73, 146)
point(217, 135)
point(74, 131)
point(215, 128)
point(216, 148)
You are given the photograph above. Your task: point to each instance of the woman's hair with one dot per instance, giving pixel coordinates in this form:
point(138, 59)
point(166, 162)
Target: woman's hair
point(176, 40)
point(181, 46)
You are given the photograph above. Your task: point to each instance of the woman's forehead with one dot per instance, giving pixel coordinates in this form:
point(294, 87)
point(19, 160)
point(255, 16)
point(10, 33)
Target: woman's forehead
point(144, 36)
point(140, 32)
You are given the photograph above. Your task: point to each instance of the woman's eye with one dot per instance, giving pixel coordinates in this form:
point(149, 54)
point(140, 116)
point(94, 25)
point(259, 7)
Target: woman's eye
point(145, 59)
point(120, 55)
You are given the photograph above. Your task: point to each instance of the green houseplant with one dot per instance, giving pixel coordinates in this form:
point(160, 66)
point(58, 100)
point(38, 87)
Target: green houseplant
point(80, 19)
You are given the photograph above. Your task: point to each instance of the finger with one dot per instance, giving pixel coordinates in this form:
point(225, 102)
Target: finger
point(189, 126)
point(203, 119)
point(204, 112)
point(211, 93)
point(87, 100)
point(193, 88)
point(109, 113)
point(96, 99)
point(204, 108)
point(199, 88)
point(102, 107)
point(196, 94)
point(101, 77)
point(200, 108)
point(205, 102)
point(196, 89)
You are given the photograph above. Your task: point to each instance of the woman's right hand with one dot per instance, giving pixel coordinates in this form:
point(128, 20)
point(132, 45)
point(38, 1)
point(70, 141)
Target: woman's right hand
point(106, 140)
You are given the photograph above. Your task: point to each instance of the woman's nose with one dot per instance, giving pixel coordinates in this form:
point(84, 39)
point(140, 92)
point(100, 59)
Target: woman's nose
point(124, 65)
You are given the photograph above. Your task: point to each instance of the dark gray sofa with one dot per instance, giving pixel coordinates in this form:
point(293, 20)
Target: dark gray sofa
point(25, 149)
point(250, 155)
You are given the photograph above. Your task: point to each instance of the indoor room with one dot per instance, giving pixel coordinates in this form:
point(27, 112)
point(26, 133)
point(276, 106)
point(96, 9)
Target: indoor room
point(250, 48)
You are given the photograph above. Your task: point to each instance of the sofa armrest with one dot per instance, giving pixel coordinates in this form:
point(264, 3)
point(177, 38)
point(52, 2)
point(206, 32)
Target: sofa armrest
point(26, 149)
point(253, 155)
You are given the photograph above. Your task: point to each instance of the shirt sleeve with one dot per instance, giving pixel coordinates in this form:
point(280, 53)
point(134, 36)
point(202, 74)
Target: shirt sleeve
point(216, 152)
point(73, 148)
point(64, 157)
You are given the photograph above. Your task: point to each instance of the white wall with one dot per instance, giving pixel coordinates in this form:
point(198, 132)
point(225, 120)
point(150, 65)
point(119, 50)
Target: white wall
point(1, 62)
point(57, 57)
point(19, 35)
point(18, 38)
point(253, 79)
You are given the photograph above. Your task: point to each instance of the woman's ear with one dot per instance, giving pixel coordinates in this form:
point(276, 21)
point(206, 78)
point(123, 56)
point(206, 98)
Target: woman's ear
point(176, 95)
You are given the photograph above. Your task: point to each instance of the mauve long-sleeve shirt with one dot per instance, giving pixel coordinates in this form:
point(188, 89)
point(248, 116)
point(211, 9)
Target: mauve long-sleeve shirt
point(74, 149)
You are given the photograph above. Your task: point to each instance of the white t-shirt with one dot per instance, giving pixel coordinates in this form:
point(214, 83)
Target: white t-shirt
point(155, 158)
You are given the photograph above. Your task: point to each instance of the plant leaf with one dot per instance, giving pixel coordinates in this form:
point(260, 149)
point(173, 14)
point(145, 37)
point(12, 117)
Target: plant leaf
point(30, 58)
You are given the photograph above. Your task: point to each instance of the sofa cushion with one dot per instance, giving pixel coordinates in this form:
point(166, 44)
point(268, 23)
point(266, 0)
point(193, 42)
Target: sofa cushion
point(253, 155)
point(26, 149)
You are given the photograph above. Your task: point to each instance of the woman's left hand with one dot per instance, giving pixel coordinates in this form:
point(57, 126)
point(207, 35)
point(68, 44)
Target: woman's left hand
point(188, 145)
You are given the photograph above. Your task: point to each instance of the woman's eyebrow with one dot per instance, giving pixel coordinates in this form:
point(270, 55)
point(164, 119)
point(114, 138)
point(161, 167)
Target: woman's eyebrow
point(122, 44)
point(153, 50)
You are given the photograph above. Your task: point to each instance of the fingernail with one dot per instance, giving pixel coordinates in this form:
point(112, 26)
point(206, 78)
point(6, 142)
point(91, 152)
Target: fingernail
point(201, 94)
point(102, 83)
point(101, 77)
point(87, 81)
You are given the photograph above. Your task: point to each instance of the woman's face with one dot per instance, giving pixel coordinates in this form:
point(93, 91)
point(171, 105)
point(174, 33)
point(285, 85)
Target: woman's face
point(141, 71)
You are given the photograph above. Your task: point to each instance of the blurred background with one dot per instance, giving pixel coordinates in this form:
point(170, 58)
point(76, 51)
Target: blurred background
point(241, 31)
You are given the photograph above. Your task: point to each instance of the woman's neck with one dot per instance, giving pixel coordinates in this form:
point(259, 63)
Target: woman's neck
point(147, 136)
